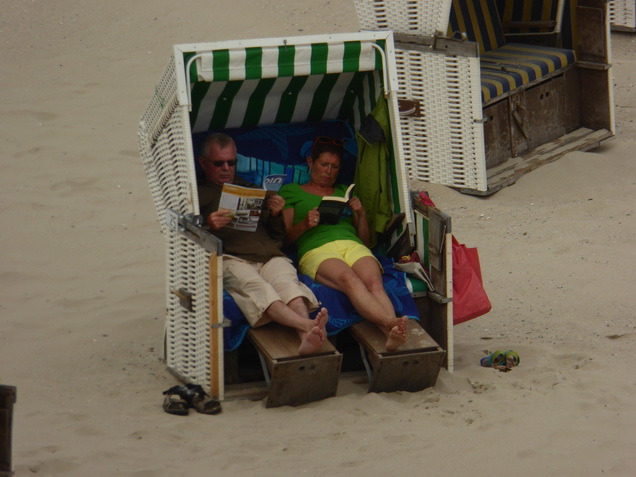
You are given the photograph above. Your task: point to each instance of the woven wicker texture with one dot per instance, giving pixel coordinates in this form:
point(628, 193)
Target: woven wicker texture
point(424, 17)
point(166, 150)
point(622, 13)
point(445, 145)
point(188, 332)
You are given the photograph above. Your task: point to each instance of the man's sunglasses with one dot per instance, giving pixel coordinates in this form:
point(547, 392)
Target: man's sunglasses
point(222, 163)
point(327, 140)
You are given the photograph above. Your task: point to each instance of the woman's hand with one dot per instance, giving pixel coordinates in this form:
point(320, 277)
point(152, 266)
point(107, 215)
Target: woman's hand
point(275, 205)
point(360, 220)
point(356, 207)
point(219, 219)
point(313, 218)
point(294, 232)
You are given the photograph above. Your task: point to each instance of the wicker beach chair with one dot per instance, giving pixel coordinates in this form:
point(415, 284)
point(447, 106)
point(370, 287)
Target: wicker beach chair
point(282, 86)
point(492, 101)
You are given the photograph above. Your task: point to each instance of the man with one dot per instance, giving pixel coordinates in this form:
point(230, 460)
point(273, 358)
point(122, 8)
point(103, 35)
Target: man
point(258, 275)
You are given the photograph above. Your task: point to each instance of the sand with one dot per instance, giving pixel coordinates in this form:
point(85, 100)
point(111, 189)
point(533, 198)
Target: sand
point(82, 279)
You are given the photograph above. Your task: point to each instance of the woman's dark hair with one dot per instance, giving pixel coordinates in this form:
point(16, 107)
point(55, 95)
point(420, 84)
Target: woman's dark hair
point(324, 144)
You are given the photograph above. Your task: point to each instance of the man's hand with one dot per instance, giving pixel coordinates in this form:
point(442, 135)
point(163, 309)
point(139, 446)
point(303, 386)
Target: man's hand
point(219, 219)
point(275, 204)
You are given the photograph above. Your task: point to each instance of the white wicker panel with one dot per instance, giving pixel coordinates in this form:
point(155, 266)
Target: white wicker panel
point(188, 332)
point(445, 144)
point(622, 13)
point(165, 144)
point(169, 163)
point(161, 105)
point(426, 17)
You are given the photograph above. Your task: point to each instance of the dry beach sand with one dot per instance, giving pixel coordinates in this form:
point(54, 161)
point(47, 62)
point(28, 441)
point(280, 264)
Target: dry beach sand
point(82, 279)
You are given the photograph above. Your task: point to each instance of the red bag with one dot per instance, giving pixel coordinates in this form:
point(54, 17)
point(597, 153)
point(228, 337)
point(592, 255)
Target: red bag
point(469, 297)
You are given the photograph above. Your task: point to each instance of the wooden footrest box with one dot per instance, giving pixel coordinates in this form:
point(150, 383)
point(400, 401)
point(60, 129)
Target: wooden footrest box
point(295, 379)
point(413, 367)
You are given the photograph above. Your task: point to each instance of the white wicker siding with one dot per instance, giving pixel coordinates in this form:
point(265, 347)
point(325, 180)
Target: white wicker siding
point(446, 144)
point(166, 152)
point(188, 332)
point(425, 17)
point(622, 13)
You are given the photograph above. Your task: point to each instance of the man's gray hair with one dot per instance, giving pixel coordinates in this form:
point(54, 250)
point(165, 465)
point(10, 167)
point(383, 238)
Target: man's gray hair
point(222, 139)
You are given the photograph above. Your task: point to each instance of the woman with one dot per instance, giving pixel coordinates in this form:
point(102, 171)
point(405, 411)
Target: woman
point(338, 255)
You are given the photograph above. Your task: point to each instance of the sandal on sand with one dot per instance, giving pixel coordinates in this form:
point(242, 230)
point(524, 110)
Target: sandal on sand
point(495, 359)
point(174, 402)
point(511, 359)
point(201, 401)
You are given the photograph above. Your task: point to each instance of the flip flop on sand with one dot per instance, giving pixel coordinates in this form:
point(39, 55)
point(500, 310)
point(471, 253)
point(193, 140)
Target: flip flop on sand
point(511, 359)
point(495, 359)
point(174, 402)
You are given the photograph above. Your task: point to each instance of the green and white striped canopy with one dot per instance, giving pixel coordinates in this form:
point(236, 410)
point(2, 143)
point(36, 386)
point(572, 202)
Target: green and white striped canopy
point(288, 83)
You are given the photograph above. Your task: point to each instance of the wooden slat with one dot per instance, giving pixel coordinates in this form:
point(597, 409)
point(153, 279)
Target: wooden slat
point(281, 343)
point(216, 333)
point(417, 338)
point(295, 379)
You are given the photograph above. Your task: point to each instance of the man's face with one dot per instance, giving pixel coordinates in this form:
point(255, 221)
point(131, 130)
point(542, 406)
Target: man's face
point(220, 165)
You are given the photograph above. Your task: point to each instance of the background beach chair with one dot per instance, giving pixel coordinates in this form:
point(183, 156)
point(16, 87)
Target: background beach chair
point(486, 110)
point(274, 87)
point(622, 14)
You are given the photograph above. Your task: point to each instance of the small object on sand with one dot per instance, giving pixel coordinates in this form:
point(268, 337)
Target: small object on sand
point(201, 401)
point(512, 359)
point(174, 403)
point(179, 399)
point(502, 360)
point(494, 360)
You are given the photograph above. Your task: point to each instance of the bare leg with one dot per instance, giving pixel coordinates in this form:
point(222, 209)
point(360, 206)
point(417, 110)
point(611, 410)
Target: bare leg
point(311, 334)
point(369, 272)
point(337, 274)
point(397, 335)
point(299, 305)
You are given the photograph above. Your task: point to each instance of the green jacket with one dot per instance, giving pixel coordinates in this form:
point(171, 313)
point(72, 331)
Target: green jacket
point(372, 176)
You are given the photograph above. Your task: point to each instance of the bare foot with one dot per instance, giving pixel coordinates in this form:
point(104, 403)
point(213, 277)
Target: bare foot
point(397, 335)
point(311, 341)
point(321, 321)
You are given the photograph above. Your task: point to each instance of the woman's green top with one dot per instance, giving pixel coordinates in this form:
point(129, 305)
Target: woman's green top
point(302, 202)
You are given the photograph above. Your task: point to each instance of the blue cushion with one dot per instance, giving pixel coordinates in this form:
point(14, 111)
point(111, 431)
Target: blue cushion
point(283, 149)
point(514, 65)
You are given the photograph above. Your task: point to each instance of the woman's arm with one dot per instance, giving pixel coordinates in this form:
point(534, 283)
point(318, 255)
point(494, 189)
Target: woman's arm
point(360, 220)
point(295, 231)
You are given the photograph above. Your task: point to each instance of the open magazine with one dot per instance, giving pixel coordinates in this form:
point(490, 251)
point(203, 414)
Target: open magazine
point(331, 207)
point(417, 270)
point(246, 203)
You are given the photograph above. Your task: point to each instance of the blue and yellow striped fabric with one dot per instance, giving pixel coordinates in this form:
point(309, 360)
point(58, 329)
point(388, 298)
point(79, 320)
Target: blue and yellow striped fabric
point(504, 67)
point(515, 65)
point(528, 11)
point(480, 21)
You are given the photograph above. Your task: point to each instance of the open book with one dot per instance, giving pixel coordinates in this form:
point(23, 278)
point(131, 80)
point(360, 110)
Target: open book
point(331, 207)
point(417, 270)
